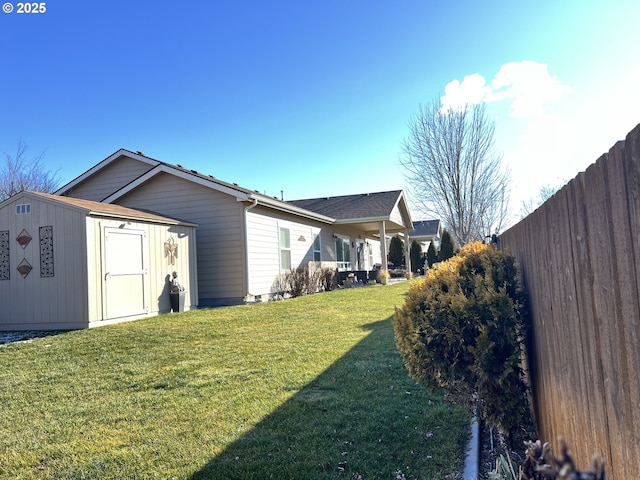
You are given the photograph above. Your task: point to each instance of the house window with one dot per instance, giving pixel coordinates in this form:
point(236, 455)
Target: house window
point(343, 253)
point(285, 249)
point(317, 255)
point(23, 208)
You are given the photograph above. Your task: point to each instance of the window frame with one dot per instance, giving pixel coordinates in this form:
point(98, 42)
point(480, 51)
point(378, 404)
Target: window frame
point(317, 249)
point(23, 209)
point(343, 262)
point(284, 250)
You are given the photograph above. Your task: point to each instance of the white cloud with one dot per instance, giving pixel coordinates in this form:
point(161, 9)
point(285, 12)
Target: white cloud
point(553, 148)
point(551, 136)
point(472, 90)
point(527, 85)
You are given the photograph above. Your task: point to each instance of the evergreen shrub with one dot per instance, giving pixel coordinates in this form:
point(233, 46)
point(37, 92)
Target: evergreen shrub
point(396, 251)
point(417, 259)
point(462, 327)
point(432, 255)
point(447, 247)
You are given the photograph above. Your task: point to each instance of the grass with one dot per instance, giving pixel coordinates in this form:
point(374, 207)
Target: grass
point(309, 388)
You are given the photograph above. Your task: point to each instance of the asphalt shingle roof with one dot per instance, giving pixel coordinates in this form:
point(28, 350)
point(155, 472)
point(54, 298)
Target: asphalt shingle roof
point(425, 228)
point(345, 207)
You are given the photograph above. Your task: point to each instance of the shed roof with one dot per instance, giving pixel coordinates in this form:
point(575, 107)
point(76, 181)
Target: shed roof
point(108, 209)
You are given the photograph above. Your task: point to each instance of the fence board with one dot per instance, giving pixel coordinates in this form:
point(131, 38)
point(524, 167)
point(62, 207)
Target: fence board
point(605, 278)
point(589, 339)
point(630, 171)
point(628, 311)
point(579, 256)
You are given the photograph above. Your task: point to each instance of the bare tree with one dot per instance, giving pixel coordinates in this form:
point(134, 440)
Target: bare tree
point(453, 171)
point(546, 192)
point(19, 173)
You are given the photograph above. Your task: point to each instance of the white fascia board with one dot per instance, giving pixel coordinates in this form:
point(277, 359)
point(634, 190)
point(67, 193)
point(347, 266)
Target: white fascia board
point(362, 220)
point(404, 208)
point(164, 168)
point(120, 153)
point(142, 219)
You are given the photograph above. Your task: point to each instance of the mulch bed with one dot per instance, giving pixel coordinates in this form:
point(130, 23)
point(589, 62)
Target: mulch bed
point(492, 445)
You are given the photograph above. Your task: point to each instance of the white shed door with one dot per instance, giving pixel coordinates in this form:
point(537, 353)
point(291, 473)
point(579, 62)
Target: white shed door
point(125, 276)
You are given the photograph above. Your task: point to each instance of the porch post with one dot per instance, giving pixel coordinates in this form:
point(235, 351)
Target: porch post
point(383, 245)
point(407, 253)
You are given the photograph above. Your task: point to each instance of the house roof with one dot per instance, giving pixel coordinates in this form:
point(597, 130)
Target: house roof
point(157, 166)
point(348, 207)
point(341, 209)
point(425, 228)
point(107, 209)
point(365, 209)
point(153, 164)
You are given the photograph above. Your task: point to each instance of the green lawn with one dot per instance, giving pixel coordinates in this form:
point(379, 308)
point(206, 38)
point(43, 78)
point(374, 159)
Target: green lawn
point(308, 388)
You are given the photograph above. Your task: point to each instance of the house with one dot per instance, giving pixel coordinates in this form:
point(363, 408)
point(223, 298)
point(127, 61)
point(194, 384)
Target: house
point(68, 263)
point(426, 231)
point(246, 240)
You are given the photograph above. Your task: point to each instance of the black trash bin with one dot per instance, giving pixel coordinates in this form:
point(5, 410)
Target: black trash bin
point(177, 301)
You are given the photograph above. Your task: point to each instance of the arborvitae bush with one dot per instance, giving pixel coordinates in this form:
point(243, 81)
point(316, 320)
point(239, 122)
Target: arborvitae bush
point(462, 328)
point(432, 255)
point(447, 247)
point(396, 251)
point(415, 252)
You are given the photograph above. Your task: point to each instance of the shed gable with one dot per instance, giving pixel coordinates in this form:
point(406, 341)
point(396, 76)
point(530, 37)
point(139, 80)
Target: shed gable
point(42, 264)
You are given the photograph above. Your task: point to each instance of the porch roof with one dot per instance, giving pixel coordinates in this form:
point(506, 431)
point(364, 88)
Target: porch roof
point(365, 210)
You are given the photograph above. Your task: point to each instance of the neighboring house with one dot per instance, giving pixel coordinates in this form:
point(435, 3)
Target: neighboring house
point(425, 232)
point(246, 240)
point(68, 263)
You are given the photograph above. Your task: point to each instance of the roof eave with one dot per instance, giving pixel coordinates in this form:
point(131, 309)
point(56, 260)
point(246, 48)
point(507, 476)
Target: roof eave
point(288, 208)
point(164, 220)
point(362, 220)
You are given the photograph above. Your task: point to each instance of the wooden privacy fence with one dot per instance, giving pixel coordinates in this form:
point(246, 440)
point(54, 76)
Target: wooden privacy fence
point(579, 257)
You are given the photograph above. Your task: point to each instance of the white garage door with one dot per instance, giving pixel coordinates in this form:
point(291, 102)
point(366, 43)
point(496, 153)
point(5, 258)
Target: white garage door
point(125, 277)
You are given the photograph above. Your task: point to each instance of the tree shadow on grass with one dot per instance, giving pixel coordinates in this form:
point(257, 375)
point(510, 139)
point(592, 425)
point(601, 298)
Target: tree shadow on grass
point(363, 417)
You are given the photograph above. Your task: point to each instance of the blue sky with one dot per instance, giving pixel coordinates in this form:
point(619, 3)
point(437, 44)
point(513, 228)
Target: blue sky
point(313, 98)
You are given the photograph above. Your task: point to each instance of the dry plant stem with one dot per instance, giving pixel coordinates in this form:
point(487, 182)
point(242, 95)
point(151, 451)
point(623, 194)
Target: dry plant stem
point(542, 464)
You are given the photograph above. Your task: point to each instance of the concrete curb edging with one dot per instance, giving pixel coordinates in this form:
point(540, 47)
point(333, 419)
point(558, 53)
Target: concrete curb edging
point(472, 462)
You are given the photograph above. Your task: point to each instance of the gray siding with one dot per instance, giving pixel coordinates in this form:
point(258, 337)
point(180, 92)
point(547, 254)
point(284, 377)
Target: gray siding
point(111, 178)
point(35, 302)
point(219, 235)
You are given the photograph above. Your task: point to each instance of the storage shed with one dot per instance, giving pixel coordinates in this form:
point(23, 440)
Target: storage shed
point(68, 263)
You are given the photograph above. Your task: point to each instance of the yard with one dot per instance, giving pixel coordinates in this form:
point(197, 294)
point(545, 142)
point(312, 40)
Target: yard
point(308, 388)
